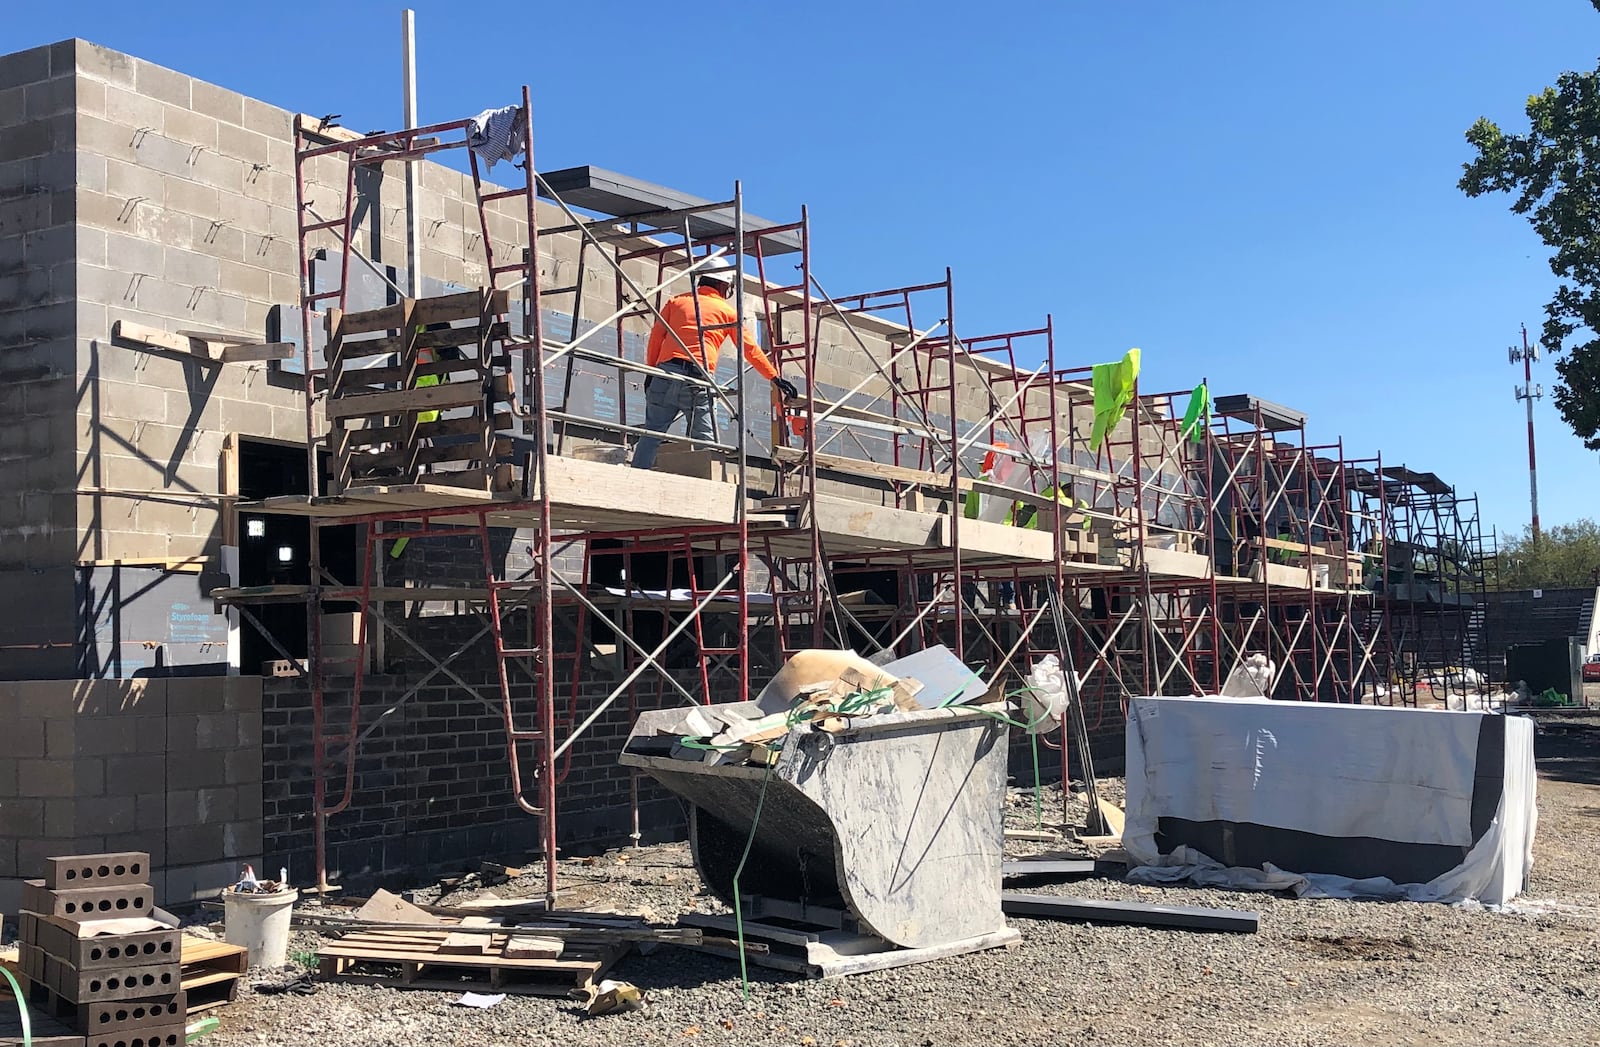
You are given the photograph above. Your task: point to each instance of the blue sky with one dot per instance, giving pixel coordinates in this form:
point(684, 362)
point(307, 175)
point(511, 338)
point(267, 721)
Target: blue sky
point(1262, 194)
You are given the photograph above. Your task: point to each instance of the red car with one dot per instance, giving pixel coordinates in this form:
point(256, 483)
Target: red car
point(1591, 669)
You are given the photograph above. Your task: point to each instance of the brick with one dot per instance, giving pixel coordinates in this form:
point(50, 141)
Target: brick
point(24, 737)
point(88, 903)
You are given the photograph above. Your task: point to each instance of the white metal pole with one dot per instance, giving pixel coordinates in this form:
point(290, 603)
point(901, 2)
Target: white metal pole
point(408, 31)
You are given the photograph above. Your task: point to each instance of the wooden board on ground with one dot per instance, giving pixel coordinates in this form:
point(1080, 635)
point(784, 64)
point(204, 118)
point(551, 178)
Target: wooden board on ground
point(1112, 815)
point(409, 961)
point(528, 947)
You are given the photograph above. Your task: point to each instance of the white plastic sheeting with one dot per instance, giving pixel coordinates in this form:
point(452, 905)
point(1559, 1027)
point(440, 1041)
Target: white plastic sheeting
point(1372, 777)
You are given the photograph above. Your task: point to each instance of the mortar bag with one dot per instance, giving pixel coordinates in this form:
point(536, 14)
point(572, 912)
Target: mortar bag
point(1044, 700)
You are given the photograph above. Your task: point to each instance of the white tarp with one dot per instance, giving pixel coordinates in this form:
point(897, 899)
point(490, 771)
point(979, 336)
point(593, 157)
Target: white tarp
point(1352, 772)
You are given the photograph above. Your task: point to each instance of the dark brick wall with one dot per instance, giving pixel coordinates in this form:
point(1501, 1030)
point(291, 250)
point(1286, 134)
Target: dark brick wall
point(432, 785)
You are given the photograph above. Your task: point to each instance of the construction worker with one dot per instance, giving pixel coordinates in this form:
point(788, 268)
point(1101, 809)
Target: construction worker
point(665, 398)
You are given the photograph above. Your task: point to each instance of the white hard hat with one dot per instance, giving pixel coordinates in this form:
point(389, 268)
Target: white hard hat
point(720, 268)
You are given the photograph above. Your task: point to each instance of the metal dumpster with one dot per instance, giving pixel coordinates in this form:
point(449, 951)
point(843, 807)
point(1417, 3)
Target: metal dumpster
point(890, 828)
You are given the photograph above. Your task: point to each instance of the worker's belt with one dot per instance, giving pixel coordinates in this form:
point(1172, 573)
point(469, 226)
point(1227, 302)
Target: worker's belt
point(676, 365)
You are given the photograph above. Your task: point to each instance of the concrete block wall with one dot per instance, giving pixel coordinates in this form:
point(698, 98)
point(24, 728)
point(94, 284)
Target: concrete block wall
point(38, 508)
point(172, 767)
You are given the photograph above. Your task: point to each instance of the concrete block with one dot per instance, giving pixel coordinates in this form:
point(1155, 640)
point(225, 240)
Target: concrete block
point(8, 781)
point(49, 98)
point(23, 737)
point(150, 811)
point(183, 807)
point(221, 804)
point(105, 737)
point(59, 738)
point(131, 110)
point(216, 730)
point(104, 64)
point(119, 400)
point(187, 697)
point(243, 144)
point(190, 268)
point(105, 814)
point(196, 769)
point(126, 179)
point(243, 766)
point(193, 844)
point(268, 120)
point(89, 775)
point(223, 172)
point(21, 817)
point(243, 838)
point(45, 778)
point(217, 102)
point(171, 156)
point(144, 772)
point(105, 138)
point(8, 860)
point(190, 128)
point(25, 67)
point(165, 84)
point(59, 818)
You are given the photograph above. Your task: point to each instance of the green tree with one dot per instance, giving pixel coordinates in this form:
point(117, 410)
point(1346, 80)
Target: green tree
point(1564, 556)
point(1554, 172)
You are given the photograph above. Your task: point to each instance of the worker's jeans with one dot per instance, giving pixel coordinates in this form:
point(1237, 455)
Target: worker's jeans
point(664, 401)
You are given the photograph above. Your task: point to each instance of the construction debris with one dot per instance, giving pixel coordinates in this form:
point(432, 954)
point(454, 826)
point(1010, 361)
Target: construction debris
point(614, 997)
point(863, 804)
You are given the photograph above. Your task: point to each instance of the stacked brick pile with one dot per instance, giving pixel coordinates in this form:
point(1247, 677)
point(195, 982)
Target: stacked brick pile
point(93, 956)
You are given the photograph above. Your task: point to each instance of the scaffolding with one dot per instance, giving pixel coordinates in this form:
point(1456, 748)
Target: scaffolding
point(927, 487)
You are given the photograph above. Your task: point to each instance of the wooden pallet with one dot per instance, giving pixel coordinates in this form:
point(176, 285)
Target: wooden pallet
point(211, 972)
point(375, 435)
point(47, 1031)
point(414, 960)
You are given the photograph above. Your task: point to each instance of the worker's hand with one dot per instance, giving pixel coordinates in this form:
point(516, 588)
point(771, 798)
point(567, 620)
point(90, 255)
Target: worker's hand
point(787, 388)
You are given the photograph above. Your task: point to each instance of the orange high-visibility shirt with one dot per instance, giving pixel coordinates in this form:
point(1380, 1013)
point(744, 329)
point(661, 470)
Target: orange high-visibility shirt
point(715, 311)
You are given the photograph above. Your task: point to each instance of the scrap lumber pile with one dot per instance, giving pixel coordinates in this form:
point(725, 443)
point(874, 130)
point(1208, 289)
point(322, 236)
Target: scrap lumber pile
point(504, 946)
point(93, 957)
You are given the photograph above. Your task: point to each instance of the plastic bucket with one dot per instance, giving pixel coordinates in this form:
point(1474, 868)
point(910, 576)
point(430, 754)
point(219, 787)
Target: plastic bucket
point(260, 923)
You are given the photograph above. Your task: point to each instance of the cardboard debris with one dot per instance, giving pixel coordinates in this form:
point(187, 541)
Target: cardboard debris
point(384, 907)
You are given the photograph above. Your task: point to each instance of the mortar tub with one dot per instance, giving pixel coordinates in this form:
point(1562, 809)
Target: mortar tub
point(896, 821)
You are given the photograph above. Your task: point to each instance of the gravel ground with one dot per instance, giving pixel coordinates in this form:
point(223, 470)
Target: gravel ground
point(1319, 972)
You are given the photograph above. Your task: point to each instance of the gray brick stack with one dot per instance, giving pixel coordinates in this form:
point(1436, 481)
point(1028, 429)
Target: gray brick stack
point(120, 987)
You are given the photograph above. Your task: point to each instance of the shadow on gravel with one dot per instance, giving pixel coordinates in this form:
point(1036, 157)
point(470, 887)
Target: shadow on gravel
point(1568, 750)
